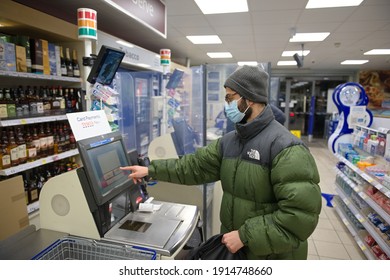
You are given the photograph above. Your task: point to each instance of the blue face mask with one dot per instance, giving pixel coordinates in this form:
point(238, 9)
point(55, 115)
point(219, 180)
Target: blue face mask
point(232, 112)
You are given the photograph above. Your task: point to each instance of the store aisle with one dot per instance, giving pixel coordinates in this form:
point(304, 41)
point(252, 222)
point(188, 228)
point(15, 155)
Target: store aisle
point(331, 240)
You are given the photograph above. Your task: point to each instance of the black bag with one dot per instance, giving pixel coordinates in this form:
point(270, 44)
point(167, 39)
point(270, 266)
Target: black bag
point(214, 249)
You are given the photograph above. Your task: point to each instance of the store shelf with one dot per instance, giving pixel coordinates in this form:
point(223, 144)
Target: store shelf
point(33, 164)
point(33, 120)
point(366, 198)
point(348, 180)
point(366, 224)
point(24, 75)
point(366, 251)
point(365, 176)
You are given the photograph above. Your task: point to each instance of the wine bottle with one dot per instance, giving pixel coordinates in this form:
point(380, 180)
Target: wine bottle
point(75, 64)
point(68, 62)
point(63, 64)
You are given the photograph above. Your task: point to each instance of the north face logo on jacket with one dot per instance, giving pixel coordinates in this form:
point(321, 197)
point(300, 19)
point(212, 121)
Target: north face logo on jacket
point(254, 154)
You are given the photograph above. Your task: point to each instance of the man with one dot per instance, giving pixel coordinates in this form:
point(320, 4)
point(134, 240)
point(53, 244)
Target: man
point(271, 199)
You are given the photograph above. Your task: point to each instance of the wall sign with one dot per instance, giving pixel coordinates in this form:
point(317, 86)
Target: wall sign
point(151, 13)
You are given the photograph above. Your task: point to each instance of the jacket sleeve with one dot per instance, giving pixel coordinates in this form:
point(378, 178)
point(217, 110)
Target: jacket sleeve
point(294, 178)
point(201, 167)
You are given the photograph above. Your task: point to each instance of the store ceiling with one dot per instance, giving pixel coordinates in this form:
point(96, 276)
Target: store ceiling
point(261, 34)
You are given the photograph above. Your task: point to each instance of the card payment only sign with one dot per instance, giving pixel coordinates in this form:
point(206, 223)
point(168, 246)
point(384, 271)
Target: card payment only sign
point(88, 124)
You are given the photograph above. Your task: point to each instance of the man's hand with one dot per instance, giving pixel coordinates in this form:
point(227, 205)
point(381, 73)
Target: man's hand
point(232, 241)
point(137, 172)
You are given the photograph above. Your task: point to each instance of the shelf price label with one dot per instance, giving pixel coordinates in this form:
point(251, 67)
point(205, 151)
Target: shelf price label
point(361, 245)
point(345, 221)
point(362, 195)
point(346, 201)
point(360, 218)
point(366, 177)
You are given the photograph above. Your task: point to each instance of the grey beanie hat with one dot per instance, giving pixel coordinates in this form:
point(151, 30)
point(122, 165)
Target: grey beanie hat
point(250, 82)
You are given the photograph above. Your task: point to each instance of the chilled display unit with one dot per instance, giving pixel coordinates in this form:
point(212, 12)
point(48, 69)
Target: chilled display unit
point(135, 109)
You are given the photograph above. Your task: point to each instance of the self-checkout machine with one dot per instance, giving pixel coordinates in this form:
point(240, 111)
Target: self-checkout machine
point(98, 200)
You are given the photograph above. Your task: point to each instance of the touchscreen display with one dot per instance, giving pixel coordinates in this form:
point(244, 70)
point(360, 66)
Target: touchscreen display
point(106, 162)
point(109, 67)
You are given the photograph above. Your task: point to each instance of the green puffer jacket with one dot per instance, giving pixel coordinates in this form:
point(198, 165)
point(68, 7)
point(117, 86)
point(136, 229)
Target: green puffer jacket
point(270, 186)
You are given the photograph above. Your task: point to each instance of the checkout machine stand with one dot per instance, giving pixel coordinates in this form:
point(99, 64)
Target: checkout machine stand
point(64, 208)
point(202, 196)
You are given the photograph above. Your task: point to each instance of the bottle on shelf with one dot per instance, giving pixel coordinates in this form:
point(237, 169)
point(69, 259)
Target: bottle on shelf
point(42, 141)
point(50, 140)
point(30, 147)
point(36, 142)
point(72, 140)
point(55, 105)
point(64, 71)
point(68, 101)
point(61, 141)
point(39, 98)
point(61, 98)
point(18, 103)
point(32, 102)
point(25, 183)
point(22, 147)
point(68, 62)
point(5, 161)
point(56, 140)
point(24, 102)
point(46, 100)
point(66, 135)
point(75, 65)
point(13, 148)
point(11, 106)
point(76, 100)
point(32, 190)
point(3, 105)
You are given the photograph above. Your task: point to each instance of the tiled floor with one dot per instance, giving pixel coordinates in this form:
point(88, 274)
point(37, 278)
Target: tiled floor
point(331, 240)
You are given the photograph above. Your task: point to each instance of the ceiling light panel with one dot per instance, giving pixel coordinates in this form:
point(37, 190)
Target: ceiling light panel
point(353, 62)
point(309, 37)
point(250, 63)
point(315, 4)
point(287, 63)
point(222, 6)
point(291, 53)
point(219, 54)
point(207, 39)
point(378, 52)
